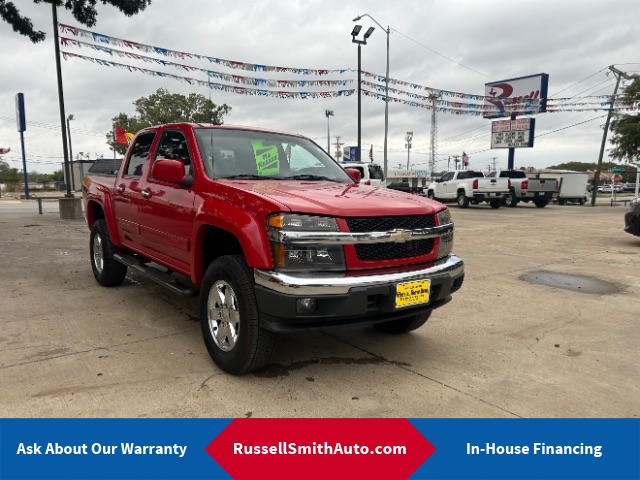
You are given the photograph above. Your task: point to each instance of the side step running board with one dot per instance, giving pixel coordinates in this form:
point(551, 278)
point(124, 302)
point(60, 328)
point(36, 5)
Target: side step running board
point(158, 276)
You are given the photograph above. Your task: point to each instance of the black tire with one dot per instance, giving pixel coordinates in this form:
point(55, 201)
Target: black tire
point(561, 201)
point(107, 271)
point(495, 203)
point(431, 195)
point(403, 325)
point(540, 203)
point(230, 320)
point(463, 201)
point(511, 200)
point(582, 201)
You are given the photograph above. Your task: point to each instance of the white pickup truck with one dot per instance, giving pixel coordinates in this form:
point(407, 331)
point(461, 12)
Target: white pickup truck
point(540, 191)
point(469, 186)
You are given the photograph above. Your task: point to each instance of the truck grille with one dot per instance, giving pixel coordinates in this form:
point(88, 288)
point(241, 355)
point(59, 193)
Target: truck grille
point(391, 251)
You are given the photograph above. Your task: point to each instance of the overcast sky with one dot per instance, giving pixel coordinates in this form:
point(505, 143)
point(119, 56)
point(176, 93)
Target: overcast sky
point(454, 45)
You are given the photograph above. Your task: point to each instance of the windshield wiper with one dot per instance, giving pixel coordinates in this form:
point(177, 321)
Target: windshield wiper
point(248, 176)
point(307, 176)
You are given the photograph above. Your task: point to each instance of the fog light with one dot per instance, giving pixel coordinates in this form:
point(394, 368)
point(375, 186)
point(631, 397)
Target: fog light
point(305, 305)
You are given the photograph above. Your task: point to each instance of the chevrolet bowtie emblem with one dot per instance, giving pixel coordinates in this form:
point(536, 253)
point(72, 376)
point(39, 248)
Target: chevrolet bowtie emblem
point(401, 236)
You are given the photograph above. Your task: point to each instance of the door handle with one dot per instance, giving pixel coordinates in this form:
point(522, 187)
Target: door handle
point(120, 188)
point(146, 193)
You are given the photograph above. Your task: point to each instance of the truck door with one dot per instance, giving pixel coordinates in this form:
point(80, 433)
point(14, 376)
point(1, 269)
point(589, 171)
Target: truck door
point(446, 186)
point(127, 195)
point(166, 210)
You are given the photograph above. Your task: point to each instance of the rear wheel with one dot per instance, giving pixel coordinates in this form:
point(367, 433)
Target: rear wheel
point(463, 201)
point(107, 271)
point(230, 320)
point(495, 203)
point(431, 195)
point(403, 325)
point(511, 200)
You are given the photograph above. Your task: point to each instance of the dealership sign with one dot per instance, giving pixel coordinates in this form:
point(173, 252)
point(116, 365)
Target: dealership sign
point(516, 96)
point(512, 133)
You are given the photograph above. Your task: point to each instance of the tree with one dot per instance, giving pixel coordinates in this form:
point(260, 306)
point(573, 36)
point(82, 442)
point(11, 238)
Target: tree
point(84, 11)
point(626, 128)
point(164, 107)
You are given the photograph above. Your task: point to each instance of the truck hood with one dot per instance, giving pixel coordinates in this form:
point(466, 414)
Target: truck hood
point(338, 199)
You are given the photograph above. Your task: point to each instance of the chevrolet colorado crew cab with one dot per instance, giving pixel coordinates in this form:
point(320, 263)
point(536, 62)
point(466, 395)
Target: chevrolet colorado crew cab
point(271, 233)
point(540, 191)
point(469, 186)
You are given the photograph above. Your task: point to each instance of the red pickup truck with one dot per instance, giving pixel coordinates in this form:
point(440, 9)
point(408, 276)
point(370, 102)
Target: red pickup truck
point(272, 233)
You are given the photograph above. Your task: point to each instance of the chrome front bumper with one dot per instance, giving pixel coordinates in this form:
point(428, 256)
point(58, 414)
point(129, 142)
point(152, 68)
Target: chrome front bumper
point(334, 284)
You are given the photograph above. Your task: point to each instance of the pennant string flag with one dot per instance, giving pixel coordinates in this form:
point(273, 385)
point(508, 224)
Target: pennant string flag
point(100, 38)
point(212, 85)
point(65, 42)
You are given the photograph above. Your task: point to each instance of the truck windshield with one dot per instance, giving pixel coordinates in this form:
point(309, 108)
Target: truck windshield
point(248, 154)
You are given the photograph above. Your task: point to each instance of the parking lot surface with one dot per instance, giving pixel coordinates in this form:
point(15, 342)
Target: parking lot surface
point(545, 325)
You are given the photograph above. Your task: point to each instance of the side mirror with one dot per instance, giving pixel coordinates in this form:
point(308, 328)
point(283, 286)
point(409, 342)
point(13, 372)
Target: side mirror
point(354, 173)
point(171, 171)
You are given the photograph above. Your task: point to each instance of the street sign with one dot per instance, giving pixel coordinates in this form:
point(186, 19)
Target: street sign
point(618, 170)
point(512, 133)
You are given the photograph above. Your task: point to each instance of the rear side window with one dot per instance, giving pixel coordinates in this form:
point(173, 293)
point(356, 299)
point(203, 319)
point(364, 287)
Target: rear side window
point(139, 153)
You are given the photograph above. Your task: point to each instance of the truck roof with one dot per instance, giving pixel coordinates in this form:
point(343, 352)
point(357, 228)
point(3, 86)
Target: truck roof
point(223, 126)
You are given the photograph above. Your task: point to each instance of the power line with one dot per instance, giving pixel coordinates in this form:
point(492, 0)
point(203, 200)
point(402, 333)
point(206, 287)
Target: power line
point(440, 54)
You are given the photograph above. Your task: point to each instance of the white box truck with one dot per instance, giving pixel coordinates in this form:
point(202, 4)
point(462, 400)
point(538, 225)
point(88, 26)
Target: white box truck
point(573, 185)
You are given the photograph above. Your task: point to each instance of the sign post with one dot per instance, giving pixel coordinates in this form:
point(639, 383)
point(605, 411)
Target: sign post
point(22, 126)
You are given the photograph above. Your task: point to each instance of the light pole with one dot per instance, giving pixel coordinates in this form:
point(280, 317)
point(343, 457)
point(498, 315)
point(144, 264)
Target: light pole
point(386, 89)
point(73, 182)
point(328, 113)
point(408, 138)
point(354, 34)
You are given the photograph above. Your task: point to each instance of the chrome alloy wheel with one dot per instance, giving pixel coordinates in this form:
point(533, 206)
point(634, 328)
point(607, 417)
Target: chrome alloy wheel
point(97, 253)
point(223, 315)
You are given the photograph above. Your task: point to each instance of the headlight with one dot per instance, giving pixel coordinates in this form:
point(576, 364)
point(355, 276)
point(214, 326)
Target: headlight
point(444, 217)
point(446, 239)
point(292, 256)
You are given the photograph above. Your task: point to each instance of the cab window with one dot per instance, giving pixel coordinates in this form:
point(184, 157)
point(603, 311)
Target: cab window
point(139, 153)
point(173, 146)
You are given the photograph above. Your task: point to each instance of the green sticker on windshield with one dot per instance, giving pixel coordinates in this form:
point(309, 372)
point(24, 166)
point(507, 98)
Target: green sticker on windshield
point(267, 159)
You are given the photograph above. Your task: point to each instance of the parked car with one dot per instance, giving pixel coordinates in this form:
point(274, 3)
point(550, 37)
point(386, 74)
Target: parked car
point(629, 187)
point(610, 188)
point(405, 186)
point(632, 218)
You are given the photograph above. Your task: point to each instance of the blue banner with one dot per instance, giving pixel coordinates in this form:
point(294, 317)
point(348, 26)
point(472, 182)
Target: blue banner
point(453, 449)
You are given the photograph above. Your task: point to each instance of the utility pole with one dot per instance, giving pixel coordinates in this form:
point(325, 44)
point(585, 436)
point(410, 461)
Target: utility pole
point(455, 160)
point(408, 139)
point(596, 176)
point(494, 163)
point(338, 144)
point(434, 132)
point(328, 113)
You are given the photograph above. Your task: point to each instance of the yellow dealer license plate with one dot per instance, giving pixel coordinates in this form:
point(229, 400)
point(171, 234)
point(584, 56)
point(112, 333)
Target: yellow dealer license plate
point(412, 293)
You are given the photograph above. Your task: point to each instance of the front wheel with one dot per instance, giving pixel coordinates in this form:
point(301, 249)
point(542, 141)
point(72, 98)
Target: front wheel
point(107, 271)
point(463, 201)
point(230, 319)
point(403, 325)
